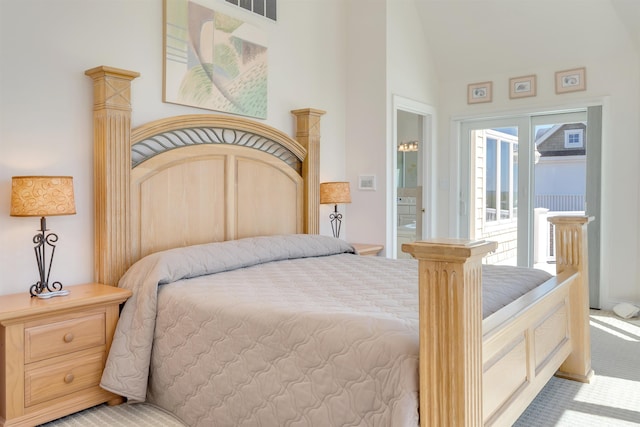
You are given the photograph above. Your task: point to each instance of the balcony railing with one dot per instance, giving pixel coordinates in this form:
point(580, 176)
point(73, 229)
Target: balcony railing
point(546, 206)
point(561, 203)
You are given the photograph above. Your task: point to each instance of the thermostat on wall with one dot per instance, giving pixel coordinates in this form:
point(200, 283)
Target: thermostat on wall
point(367, 182)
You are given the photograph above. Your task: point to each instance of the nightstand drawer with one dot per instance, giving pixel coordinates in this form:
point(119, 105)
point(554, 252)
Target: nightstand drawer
point(52, 352)
point(63, 337)
point(47, 382)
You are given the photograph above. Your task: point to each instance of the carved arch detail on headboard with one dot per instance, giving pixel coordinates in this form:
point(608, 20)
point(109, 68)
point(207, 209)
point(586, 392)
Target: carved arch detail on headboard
point(156, 137)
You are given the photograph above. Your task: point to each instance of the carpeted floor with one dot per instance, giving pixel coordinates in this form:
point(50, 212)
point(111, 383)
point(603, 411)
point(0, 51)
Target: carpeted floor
point(137, 415)
point(612, 399)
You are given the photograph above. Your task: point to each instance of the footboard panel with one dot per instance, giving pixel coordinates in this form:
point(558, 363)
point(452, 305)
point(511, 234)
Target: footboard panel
point(523, 348)
point(505, 375)
point(550, 335)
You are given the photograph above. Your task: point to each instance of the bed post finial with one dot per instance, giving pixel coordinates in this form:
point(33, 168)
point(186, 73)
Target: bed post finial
point(571, 253)
point(308, 134)
point(450, 312)
point(112, 164)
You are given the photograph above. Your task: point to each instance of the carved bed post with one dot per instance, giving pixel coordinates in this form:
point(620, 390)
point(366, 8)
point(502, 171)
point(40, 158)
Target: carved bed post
point(450, 310)
point(308, 134)
point(571, 253)
point(112, 163)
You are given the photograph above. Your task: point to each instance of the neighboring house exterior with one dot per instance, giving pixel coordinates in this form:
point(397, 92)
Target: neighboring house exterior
point(560, 174)
point(495, 200)
point(560, 183)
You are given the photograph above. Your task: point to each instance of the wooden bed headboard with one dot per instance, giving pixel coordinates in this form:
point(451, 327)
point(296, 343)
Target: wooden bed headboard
point(193, 179)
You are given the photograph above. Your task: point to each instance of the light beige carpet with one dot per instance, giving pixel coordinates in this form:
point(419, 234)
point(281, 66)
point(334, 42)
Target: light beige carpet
point(136, 415)
point(612, 399)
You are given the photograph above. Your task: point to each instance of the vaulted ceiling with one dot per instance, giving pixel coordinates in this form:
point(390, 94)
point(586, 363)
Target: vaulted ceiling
point(472, 32)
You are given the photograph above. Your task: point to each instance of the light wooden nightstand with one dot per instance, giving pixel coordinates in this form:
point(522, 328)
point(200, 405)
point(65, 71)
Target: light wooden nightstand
point(367, 249)
point(52, 352)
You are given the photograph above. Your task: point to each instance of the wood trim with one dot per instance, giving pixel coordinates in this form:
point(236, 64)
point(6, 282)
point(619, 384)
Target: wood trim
point(367, 249)
point(572, 255)
point(15, 307)
point(212, 120)
point(112, 160)
point(450, 312)
point(308, 134)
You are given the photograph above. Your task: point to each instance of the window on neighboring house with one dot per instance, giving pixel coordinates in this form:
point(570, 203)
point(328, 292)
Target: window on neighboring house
point(501, 179)
point(573, 138)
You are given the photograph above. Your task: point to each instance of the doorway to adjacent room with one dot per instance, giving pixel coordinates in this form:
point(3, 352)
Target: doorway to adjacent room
point(411, 165)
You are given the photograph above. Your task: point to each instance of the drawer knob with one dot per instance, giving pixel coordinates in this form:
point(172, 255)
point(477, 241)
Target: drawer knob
point(68, 337)
point(68, 378)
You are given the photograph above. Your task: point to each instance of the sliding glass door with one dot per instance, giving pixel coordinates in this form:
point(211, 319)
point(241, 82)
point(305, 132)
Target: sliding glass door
point(515, 173)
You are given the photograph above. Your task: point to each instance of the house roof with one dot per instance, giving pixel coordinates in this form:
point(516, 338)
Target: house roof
point(552, 142)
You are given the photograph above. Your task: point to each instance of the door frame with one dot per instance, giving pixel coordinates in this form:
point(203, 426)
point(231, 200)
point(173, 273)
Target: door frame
point(595, 111)
point(428, 113)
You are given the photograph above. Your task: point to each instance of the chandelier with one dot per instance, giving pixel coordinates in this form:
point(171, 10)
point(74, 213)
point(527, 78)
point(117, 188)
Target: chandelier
point(408, 146)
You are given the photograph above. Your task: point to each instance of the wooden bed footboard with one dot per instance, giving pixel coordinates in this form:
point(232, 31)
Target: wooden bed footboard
point(475, 372)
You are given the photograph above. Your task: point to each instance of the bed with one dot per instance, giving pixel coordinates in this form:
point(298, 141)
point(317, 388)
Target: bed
point(165, 190)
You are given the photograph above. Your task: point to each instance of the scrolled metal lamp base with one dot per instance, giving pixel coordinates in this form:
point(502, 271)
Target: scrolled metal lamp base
point(336, 221)
point(41, 240)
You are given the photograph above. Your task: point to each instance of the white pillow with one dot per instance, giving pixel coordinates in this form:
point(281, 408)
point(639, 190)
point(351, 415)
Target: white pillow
point(626, 310)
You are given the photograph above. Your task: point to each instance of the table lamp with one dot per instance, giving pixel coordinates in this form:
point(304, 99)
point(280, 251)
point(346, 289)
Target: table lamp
point(43, 196)
point(334, 193)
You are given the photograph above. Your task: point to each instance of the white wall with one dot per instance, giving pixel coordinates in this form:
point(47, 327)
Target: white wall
point(412, 75)
point(388, 55)
point(46, 101)
point(366, 118)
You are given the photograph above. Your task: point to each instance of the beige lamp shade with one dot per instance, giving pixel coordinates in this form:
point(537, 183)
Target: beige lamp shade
point(334, 193)
point(42, 196)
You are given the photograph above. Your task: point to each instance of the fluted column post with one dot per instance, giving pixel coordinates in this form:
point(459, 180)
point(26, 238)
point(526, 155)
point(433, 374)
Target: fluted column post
point(308, 134)
point(450, 310)
point(112, 163)
point(572, 254)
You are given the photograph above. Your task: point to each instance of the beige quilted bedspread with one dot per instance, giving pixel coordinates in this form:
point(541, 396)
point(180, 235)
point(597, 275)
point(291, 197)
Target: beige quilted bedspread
point(297, 332)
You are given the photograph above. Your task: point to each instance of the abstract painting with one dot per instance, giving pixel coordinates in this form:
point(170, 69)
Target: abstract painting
point(213, 61)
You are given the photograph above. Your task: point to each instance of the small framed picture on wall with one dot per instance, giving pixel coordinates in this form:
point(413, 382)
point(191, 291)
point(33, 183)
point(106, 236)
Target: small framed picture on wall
point(522, 87)
point(479, 92)
point(571, 80)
